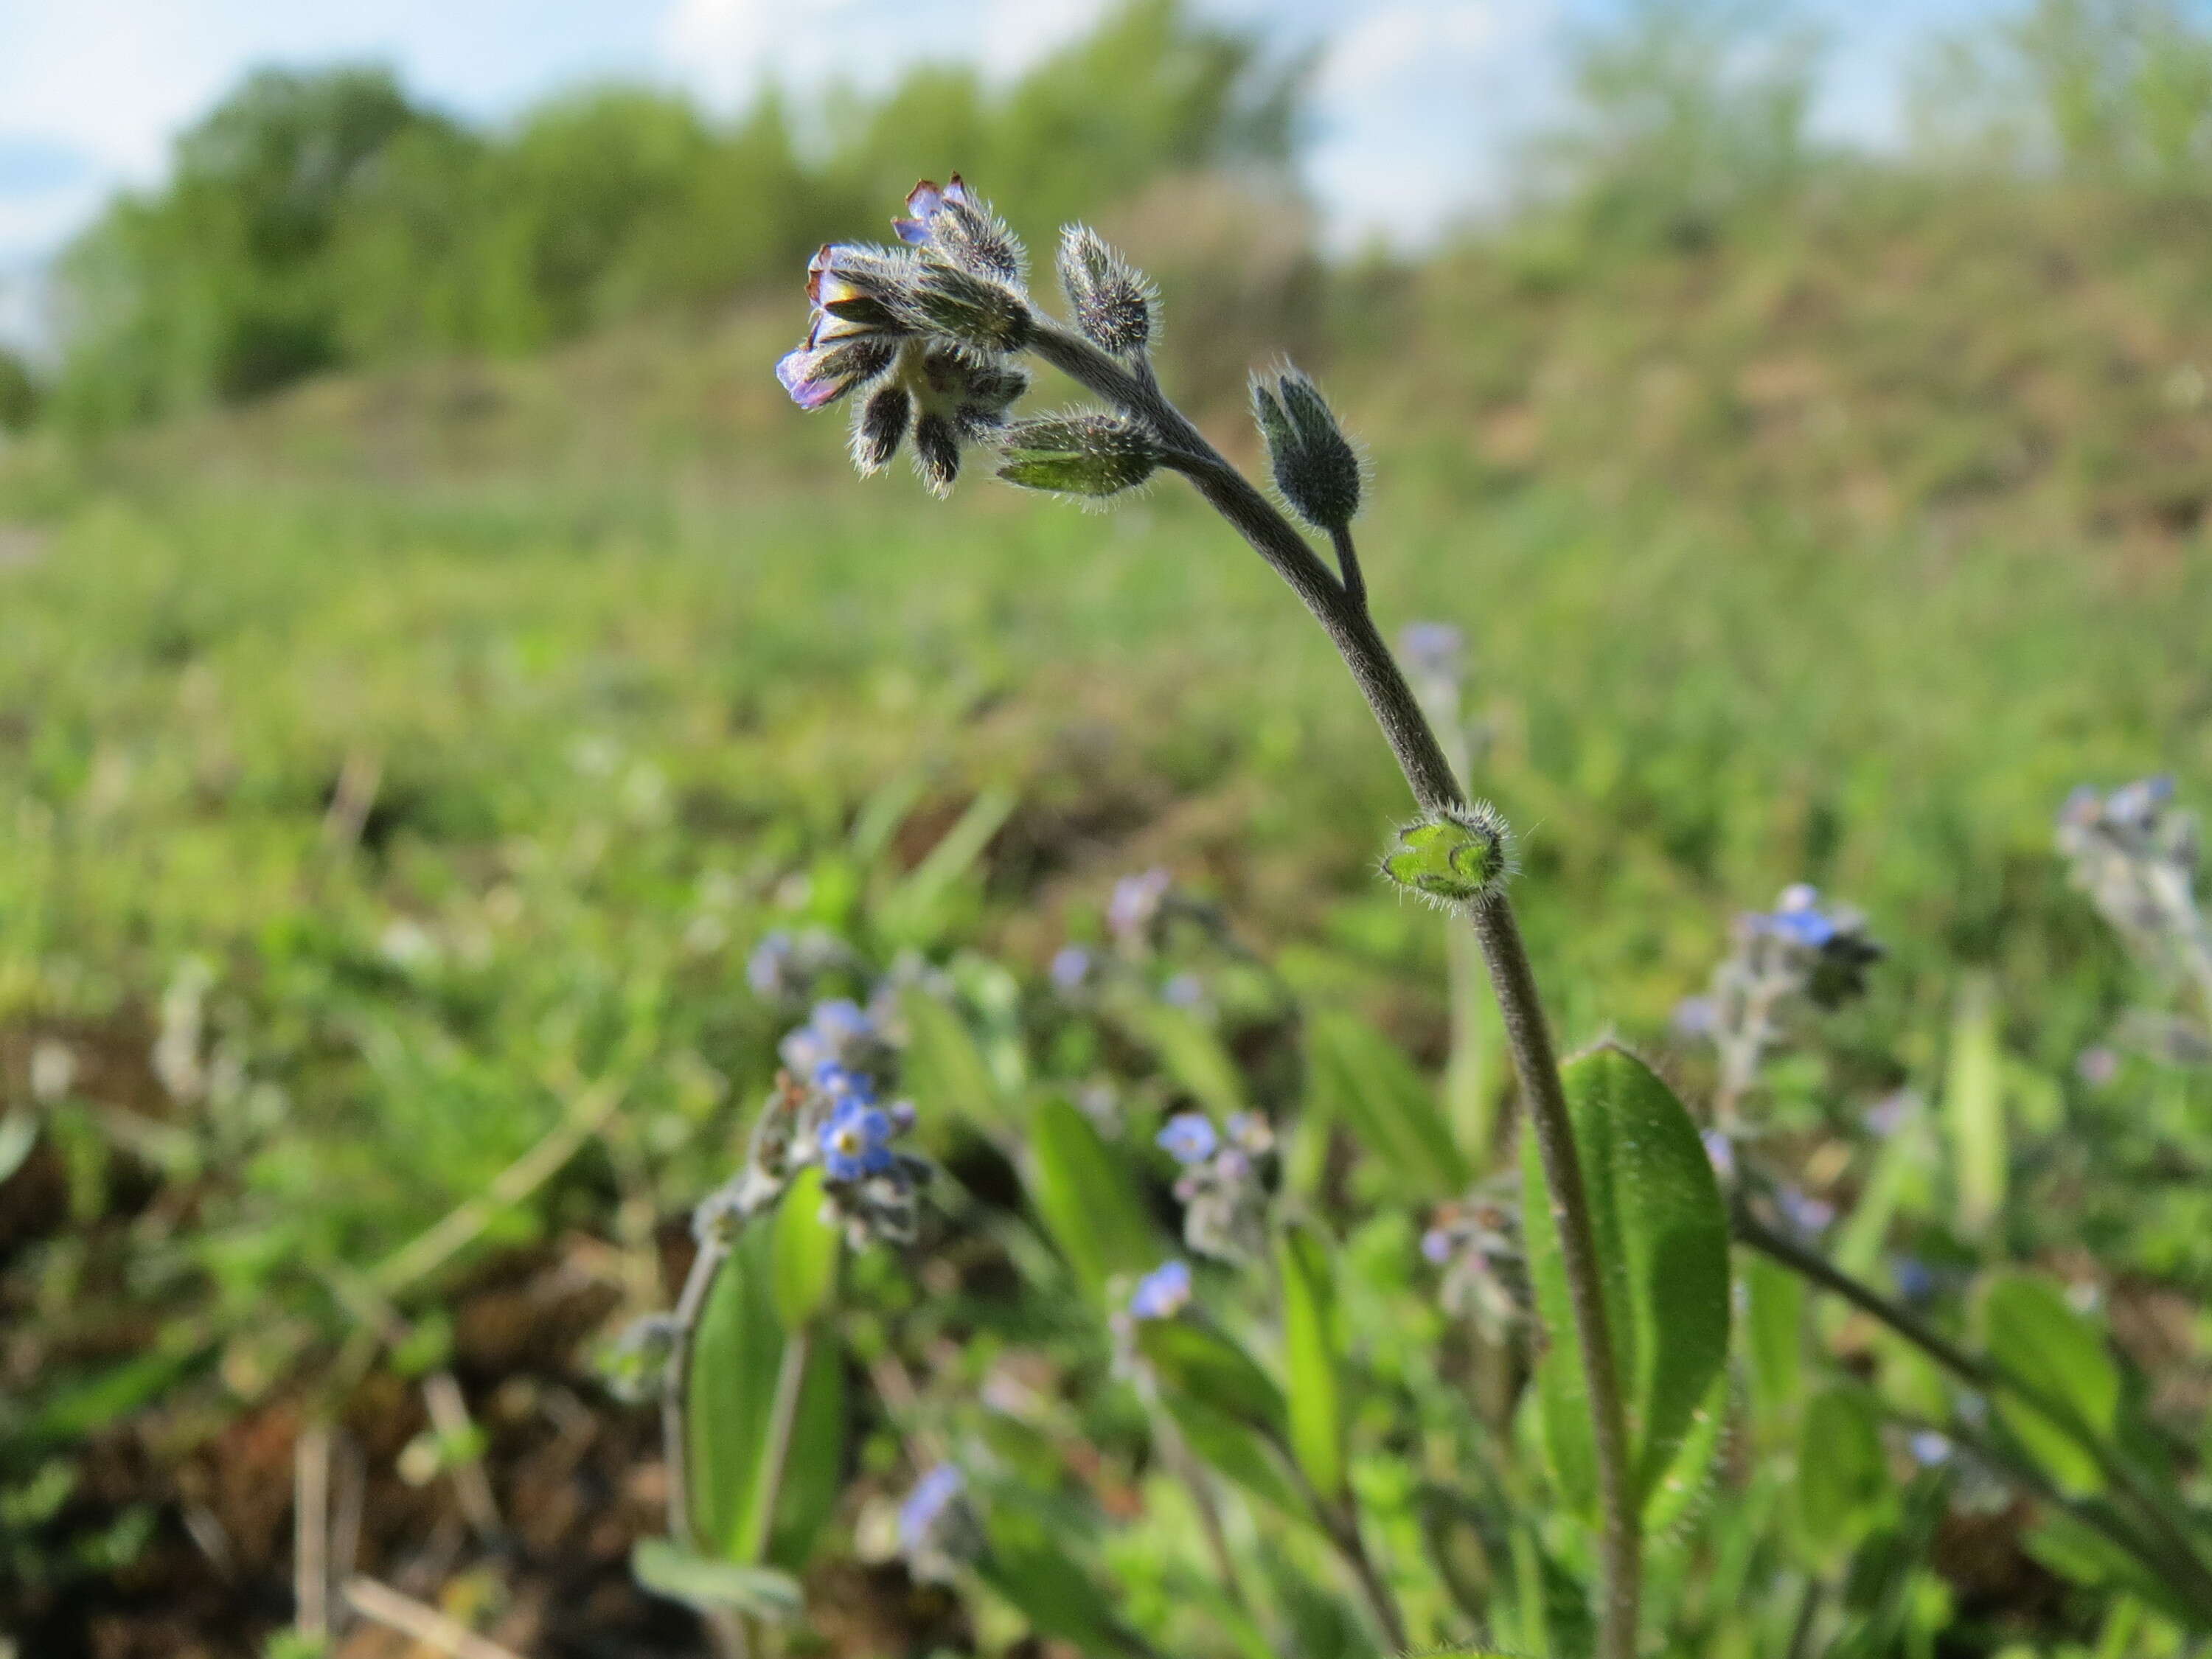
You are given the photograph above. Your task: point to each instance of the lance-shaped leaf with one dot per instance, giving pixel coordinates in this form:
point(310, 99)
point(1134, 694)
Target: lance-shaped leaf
point(757, 1592)
point(804, 1275)
point(1195, 1360)
point(2070, 1387)
point(736, 1356)
point(1661, 1238)
point(1372, 1089)
point(1309, 1357)
point(1079, 452)
point(944, 1070)
point(1239, 1451)
point(1084, 1194)
point(1025, 1561)
point(1843, 1478)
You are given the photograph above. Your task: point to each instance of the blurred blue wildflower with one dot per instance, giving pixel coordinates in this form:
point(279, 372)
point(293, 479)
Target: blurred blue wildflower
point(1915, 1279)
point(1930, 1450)
point(1433, 650)
point(840, 1033)
point(925, 1506)
point(1252, 1132)
point(1134, 912)
point(1183, 991)
point(1162, 1294)
point(1720, 1152)
point(1188, 1138)
point(1071, 967)
point(1436, 1245)
point(937, 1530)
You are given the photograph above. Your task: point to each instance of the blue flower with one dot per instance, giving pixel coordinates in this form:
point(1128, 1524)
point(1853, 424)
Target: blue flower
point(768, 970)
point(840, 1083)
point(1433, 650)
point(1071, 967)
point(856, 1141)
point(1136, 904)
point(1183, 991)
point(1929, 1449)
point(1188, 1138)
point(1436, 1247)
point(928, 1505)
point(1162, 1294)
point(954, 224)
point(1798, 917)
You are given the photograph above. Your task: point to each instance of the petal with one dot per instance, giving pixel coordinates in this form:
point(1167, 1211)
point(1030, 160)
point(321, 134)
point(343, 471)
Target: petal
point(925, 199)
point(913, 232)
point(955, 190)
point(800, 372)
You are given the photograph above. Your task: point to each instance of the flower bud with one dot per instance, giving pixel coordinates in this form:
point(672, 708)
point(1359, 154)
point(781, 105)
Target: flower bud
point(1315, 468)
point(1082, 453)
point(967, 310)
point(1114, 304)
point(1452, 858)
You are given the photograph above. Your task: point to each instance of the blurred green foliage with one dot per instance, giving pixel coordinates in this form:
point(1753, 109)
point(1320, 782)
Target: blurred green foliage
point(319, 219)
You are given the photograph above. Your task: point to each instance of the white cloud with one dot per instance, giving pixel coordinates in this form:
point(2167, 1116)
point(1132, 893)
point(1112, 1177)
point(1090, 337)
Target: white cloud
point(1417, 101)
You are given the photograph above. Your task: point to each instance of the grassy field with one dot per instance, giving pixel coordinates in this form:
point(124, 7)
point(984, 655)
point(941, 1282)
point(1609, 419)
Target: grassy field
point(397, 770)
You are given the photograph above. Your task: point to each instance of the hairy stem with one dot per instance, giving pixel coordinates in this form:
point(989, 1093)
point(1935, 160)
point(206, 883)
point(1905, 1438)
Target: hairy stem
point(1340, 605)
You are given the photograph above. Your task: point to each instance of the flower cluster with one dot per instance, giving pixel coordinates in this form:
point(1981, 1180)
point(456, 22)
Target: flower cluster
point(785, 968)
point(2135, 853)
point(937, 1531)
point(1476, 1242)
point(826, 1110)
point(922, 332)
point(1800, 954)
point(1224, 1200)
point(1162, 1294)
point(1136, 912)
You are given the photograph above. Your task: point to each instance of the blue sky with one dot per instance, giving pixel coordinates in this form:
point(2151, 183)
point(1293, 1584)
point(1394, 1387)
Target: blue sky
point(1417, 97)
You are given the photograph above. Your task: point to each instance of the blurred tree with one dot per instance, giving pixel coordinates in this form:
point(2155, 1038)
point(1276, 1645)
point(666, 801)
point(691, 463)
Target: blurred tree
point(19, 393)
point(1688, 112)
point(318, 219)
point(219, 286)
point(2115, 90)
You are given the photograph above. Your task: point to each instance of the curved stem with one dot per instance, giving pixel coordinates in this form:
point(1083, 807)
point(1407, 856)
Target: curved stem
point(1340, 605)
point(2168, 1549)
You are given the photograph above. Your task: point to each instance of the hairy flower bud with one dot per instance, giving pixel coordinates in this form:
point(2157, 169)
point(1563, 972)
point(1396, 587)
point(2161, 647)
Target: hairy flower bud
point(1453, 858)
point(972, 311)
point(1314, 465)
point(1085, 452)
point(1114, 305)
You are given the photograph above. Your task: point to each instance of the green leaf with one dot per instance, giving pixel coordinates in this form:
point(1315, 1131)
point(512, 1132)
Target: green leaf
point(1025, 1564)
point(759, 1592)
point(1775, 1334)
point(1374, 1090)
point(1192, 1055)
point(1084, 1194)
point(945, 1071)
point(1688, 1476)
point(1973, 1107)
point(1197, 1361)
point(2071, 1386)
point(1237, 1450)
point(737, 1355)
point(1316, 1392)
point(808, 1242)
point(1661, 1236)
point(1842, 1477)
